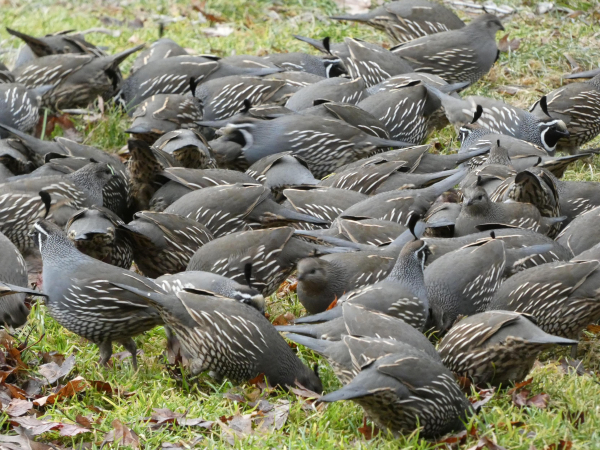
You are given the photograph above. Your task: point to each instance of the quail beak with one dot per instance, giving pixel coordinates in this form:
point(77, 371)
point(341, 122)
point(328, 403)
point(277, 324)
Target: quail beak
point(469, 202)
point(300, 277)
point(258, 302)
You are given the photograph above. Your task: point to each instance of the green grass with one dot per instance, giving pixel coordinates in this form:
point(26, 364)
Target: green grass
point(536, 67)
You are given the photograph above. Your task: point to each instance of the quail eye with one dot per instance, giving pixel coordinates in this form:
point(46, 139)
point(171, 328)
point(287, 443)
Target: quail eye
point(313, 271)
point(480, 197)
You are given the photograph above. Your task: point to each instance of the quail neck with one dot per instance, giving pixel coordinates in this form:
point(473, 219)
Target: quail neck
point(409, 267)
point(91, 179)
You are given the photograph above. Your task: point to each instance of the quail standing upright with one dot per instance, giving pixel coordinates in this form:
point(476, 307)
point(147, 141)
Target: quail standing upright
point(82, 299)
point(466, 54)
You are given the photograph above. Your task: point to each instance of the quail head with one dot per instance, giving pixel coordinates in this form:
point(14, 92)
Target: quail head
point(331, 89)
point(466, 54)
point(82, 299)
point(188, 147)
point(495, 346)
point(160, 49)
point(229, 338)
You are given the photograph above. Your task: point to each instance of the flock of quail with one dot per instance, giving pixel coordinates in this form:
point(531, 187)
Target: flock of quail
point(244, 169)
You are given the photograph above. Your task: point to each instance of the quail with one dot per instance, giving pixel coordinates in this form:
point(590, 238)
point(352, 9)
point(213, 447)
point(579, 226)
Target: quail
point(405, 20)
point(496, 347)
point(364, 179)
point(561, 296)
point(576, 198)
point(463, 282)
point(5, 75)
point(182, 181)
point(211, 282)
point(332, 89)
point(162, 113)
point(323, 280)
point(229, 339)
point(325, 203)
point(271, 255)
point(581, 233)
point(19, 106)
point(303, 62)
point(325, 144)
point(188, 147)
point(406, 112)
point(160, 49)
point(577, 105)
point(400, 205)
point(77, 79)
point(280, 171)
point(502, 118)
point(164, 243)
point(54, 44)
point(478, 210)
point(223, 97)
point(82, 299)
point(24, 201)
point(13, 158)
point(95, 232)
point(401, 294)
point(172, 75)
point(404, 391)
point(237, 207)
point(368, 231)
point(13, 270)
point(466, 54)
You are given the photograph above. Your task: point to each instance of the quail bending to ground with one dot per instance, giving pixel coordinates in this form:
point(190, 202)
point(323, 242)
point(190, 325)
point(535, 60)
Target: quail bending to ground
point(582, 233)
point(464, 282)
point(229, 338)
point(404, 391)
point(19, 106)
point(13, 270)
point(495, 346)
point(577, 105)
point(82, 299)
point(466, 54)
point(401, 294)
point(405, 20)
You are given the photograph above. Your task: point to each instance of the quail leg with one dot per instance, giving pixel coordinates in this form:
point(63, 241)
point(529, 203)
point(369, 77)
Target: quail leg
point(105, 352)
point(130, 346)
point(574, 351)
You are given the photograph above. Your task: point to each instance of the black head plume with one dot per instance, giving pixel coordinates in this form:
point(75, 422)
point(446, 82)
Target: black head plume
point(412, 223)
point(247, 106)
point(248, 274)
point(327, 44)
point(478, 113)
point(478, 180)
point(161, 29)
point(316, 369)
point(320, 101)
point(47, 201)
point(539, 161)
point(492, 235)
point(498, 142)
point(193, 86)
point(544, 105)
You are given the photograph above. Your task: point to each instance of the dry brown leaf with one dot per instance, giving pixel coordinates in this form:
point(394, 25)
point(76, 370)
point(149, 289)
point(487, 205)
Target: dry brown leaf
point(368, 431)
point(236, 427)
point(18, 407)
point(573, 366)
point(485, 395)
point(70, 389)
point(53, 371)
point(283, 319)
point(562, 445)
point(121, 435)
point(34, 426)
point(103, 386)
point(520, 385)
point(539, 401)
point(301, 391)
point(218, 31)
point(506, 45)
point(22, 441)
point(354, 6)
point(84, 421)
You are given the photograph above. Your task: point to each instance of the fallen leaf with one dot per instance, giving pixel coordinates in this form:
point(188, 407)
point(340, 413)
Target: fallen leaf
point(103, 386)
point(85, 422)
point(453, 441)
point(593, 328)
point(504, 45)
point(539, 401)
point(18, 407)
point(284, 319)
point(354, 6)
point(218, 31)
point(301, 391)
point(22, 441)
point(273, 419)
point(200, 7)
point(484, 396)
point(368, 431)
point(520, 385)
point(576, 418)
point(121, 435)
point(34, 426)
point(69, 429)
point(544, 7)
point(573, 366)
point(562, 445)
point(53, 371)
point(238, 427)
point(49, 357)
point(70, 389)
point(164, 416)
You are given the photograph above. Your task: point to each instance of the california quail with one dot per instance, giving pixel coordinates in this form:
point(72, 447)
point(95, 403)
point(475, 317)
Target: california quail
point(211, 282)
point(500, 117)
point(19, 106)
point(323, 280)
point(364, 179)
point(77, 79)
point(188, 147)
point(326, 203)
point(172, 75)
point(303, 62)
point(13, 270)
point(404, 391)
point(95, 232)
point(324, 144)
point(5, 75)
point(162, 113)
point(406, 20)
point(368, 231)
point(271, 255)
point(577, 198)
point(463, 282)
point(280, 171)
point(401, 294)
point(82, 299)
point(230, 339)
point(332, 89)
point(237, 207)
point(495, 347)
point(577, 105)
point(14, 159)
point(223, 97)
point(478, 210)
point(581, 234)
point(164, 243)
point(400, 205)
point(24, 201)
point(182, 181)
point(561, 296)
point(466, 54)
point(55, 44)
point(160, 49)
